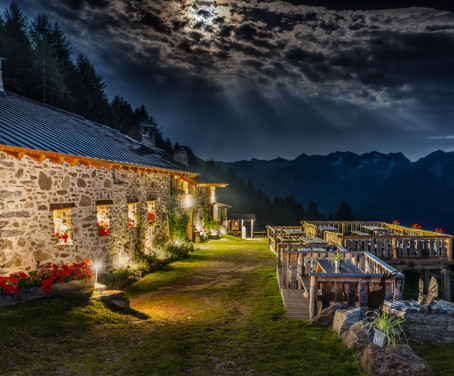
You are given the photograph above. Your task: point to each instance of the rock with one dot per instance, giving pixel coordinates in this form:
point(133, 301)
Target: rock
point(325, 317)
point(81, 183)
point(356, 338)
point(122, 303)
point(109, 295)
point(99, 286)
point(85, 201)
point(427, 299)
point(388, 360)
point(44, 181)
point(344, 319)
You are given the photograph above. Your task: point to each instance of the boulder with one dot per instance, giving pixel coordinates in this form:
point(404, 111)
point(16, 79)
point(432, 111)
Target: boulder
point(356, 338)
point(325, 317)
point(402, 361)
point(109, 295)
point(122, 303)
point(344, 319)
point(426, 299)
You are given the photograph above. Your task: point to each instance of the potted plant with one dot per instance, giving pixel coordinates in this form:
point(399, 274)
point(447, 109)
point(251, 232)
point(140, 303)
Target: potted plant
point(387, 329)
point(336, 260)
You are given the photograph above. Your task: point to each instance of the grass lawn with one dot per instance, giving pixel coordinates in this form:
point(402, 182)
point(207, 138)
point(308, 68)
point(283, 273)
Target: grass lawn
point(218, 312)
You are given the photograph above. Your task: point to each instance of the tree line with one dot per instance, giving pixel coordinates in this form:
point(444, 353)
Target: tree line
point(245, 198)
point(39, 65)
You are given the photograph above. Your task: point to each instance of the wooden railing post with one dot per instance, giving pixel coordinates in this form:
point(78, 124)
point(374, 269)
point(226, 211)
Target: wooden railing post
point(338, 292)
point(449, 248)
point(326, 294)
point(362, 294)
point(351, 294)
point(313, 298)
point(394, 248)
point(293, 273)
point(445, 285)
point(285, 260)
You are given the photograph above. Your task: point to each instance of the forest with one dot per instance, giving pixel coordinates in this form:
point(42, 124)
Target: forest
point(40, 65)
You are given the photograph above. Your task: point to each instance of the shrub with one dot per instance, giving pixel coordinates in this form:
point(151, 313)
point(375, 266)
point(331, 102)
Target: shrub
point(178, 249)
point(390, 325)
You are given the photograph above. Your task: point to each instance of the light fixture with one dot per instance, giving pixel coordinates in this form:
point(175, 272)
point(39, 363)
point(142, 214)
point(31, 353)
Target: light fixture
point(97, 265)
point(188, 201)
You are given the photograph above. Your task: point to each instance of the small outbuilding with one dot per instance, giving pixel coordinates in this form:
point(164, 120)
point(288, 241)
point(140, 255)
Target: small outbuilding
point(238, 224)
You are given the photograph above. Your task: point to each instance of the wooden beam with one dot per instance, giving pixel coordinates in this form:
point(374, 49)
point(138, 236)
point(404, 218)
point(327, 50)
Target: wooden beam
point(36, 157)
point(71, 161)
point(58, 160)
point(104, 202)
point(62, 206)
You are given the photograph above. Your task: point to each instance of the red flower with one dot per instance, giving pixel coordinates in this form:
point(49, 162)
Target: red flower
point(151, 217)
point(396, 223)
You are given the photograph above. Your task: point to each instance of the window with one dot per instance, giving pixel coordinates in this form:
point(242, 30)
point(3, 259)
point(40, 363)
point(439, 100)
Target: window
point(151, 211)
point(62, 226)
point(103, 219)
point(132, 215)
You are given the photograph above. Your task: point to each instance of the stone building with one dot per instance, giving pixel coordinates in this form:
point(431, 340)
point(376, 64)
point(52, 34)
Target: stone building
point(72, 189)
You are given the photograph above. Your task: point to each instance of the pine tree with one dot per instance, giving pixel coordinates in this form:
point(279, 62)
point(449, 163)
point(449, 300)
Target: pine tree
point(15, 47)
point(344, 213)
point(312, 213)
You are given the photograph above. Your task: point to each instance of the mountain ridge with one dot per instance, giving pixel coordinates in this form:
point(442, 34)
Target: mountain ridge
point(376, 185)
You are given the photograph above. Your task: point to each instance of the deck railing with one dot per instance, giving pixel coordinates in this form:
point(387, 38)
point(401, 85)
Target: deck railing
point(298, 271)
point(397, 242)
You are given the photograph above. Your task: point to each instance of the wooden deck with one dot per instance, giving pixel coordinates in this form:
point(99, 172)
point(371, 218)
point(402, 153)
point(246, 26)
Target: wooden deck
point(296, 304)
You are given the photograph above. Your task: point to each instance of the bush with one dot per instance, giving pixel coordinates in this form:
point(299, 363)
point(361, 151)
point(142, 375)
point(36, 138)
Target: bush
point(147, 262)
point(178, 249)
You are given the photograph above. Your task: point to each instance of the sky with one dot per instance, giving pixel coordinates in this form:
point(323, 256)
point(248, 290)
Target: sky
point(264, 79)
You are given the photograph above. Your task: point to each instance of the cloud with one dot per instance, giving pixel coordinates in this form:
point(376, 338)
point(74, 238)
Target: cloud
point(362, 63)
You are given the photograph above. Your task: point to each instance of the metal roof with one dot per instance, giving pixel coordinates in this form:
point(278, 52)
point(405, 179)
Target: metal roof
point(32, 125)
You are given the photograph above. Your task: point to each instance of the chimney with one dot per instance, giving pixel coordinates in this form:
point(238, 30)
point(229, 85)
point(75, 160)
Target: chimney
point(2, 90)
point(148, 133)
point(180, 155)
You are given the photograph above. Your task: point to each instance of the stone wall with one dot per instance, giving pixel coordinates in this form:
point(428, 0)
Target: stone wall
point(28, 187)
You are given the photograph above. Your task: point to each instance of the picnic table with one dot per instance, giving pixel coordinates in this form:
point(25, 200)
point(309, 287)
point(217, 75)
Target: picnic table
point(346, 267)
point(311, 240)
point(376, 230)
point(328, 228)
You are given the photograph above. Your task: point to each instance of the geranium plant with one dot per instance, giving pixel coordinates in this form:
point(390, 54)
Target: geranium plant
point(151, 217)
point(103, 229)
point(416, 226)
point(131, 223)
point(62, 238)
point(396, 223)
point(45, 276)
point(439, 230)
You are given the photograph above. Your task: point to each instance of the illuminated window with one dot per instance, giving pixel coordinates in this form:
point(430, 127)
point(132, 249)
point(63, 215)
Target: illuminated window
point(103, 219)
point(132, 215)
point(62, 226)
point(151, 211)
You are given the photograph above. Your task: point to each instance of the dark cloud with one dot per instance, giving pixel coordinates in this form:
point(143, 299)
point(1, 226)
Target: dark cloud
point(275, 77)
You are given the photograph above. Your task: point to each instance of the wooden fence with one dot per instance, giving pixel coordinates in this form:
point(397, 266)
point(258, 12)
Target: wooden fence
point(298, 271)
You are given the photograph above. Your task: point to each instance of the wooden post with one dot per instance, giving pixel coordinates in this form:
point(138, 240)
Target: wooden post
point(300, 271)
point(268, 235)
point(363, 294)
point(338, 292)
point(252, 229)
point(351, 294)
point(389, 293)
point(313, 297)
point(445, 285)
point(425, 277)
point(293, 273)
point(326, 293)
point(362, 261)
point(285, 259)
point(398, 288)
point(449, 248)
point(394, 248)
point(279, 254)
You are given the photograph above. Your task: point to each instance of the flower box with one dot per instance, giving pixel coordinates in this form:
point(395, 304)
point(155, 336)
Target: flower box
point(34, 293)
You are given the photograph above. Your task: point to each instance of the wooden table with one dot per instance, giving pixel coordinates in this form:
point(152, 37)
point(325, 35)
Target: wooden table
point(374, 229)
point(359, 233)
point(310, 240)
point(346, 267)
point(328, 228)
point(293, 232)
